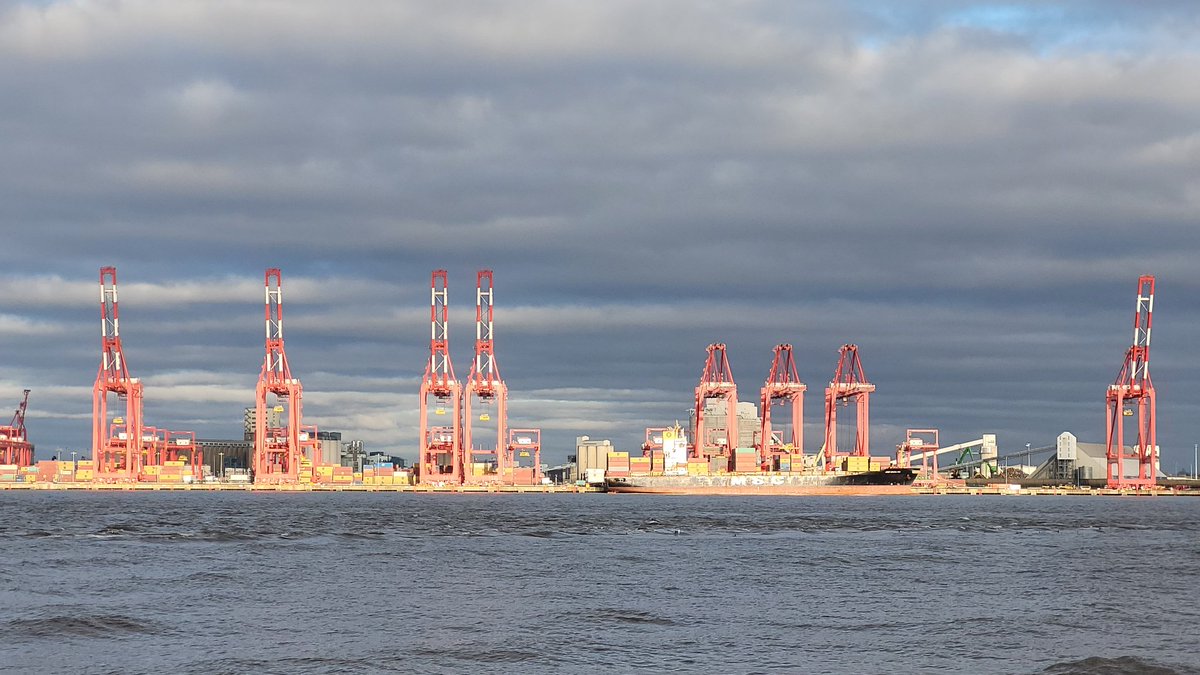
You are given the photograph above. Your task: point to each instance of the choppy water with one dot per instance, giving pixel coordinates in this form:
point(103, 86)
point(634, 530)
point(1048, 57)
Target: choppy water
point(349, 583)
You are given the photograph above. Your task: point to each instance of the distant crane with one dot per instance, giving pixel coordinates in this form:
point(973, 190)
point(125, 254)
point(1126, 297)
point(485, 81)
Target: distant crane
point(1132, 386)
point(849, 383)
point(278, 450)
point(485, 383)
point(440, 456)
point(523, 456)
point(716, 382)
point(116, 441)
point(15, 447)
point(782, 385)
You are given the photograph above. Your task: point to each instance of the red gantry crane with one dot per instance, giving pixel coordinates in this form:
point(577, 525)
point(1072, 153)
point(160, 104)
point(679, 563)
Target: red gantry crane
point(116, 442)
point(716, 382)
point(849, 383)
point(782, 385)
point(1134, 388)
point(485, 384)
point(278, 450)
point(440, 459)
point(15, 447)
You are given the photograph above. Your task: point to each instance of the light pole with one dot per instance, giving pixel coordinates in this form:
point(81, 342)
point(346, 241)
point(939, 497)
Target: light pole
point(74, 465)
point(221, 461)
point(1195, 456)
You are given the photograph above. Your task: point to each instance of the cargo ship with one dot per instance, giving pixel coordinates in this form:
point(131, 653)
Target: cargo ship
point(884, 481)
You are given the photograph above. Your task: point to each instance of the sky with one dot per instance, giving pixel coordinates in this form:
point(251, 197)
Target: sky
point(967, 191)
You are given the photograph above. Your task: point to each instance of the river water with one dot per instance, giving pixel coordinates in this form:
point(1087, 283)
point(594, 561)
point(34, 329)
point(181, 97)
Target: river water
point(350, 583)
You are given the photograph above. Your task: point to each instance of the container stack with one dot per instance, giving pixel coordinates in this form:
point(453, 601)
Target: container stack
point(47, 471)
point(29, 474)
point(323, 474)
point(697, 466)
point(856, 464)
point(797, 463)
point(305, 477)
point(657, 461)
point(9, 473)
point(745, 460)
point(523, 475)
point(66, 472)
point(640, 465)
point(343, 475)
point(618, 464)
point(85, 470)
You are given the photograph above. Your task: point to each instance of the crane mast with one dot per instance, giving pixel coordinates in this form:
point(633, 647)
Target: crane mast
point(849, 384)
point(1132, 389)
point(484, 383)
point(783, 385)
point(116, 442)
point(716, 382)
point(278, 450)
point(440, 459)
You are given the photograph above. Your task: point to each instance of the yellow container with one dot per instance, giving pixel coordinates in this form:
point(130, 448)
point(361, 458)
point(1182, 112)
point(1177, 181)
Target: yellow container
point(174, 462)
point(66, 466)
point(857, 464)
point(152, 469)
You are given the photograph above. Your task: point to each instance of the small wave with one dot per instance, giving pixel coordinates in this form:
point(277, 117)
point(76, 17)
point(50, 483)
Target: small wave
point(631, 616)
point(1124, 665)
point(101, 625)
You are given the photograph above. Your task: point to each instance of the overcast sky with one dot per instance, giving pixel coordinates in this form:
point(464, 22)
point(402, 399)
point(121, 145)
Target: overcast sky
point(968, 191)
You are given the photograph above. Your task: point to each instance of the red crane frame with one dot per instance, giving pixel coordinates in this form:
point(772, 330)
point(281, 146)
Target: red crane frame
point(440, 443)
point(15, 447)
point(278, 450)
point(1133, 386)
point(716, 382)
point(116, 443)
point(782, 384)
point(849, 382)
point(524, 442)
point(485, 383)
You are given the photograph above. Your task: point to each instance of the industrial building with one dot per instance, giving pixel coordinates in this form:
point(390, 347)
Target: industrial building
point(1075, 463)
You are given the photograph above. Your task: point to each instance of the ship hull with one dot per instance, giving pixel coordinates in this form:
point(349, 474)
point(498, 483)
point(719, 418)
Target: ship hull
point(886, 482)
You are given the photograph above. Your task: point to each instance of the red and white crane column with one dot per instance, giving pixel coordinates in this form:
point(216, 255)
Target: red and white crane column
point(440, 456)
point(278, 450)
point(1132, 389)
point(848, 384)
point(116, 442)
